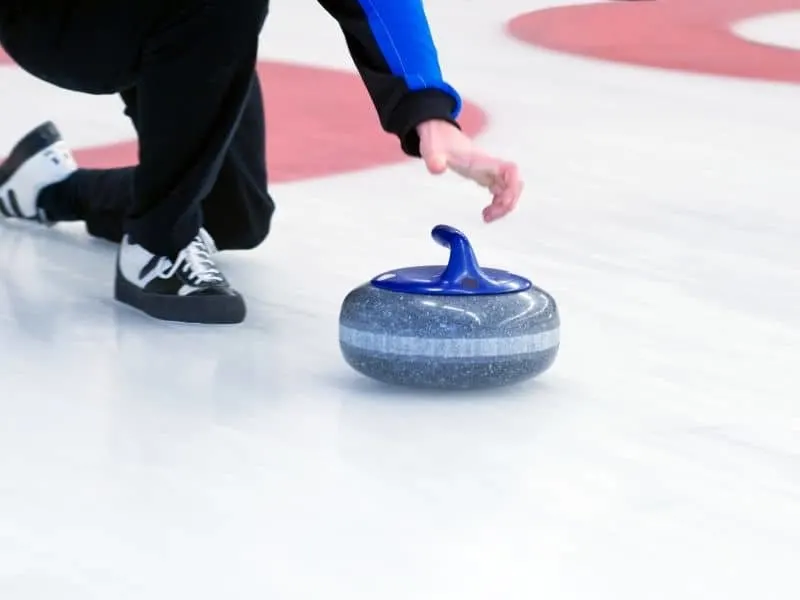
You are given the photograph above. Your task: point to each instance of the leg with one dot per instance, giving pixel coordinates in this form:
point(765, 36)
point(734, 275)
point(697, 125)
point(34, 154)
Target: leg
point(237, 212)
point(196, 83)
point(193, 83)
point(192, 88)
point(90, 47)
point(100, 197)
point(59, 44)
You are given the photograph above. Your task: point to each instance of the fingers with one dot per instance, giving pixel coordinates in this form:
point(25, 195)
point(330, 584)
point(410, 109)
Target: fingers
point(502, 179)
point(506, 189)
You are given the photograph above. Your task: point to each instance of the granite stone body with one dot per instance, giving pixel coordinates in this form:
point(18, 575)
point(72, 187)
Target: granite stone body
point(449, 342)
point(449, 327)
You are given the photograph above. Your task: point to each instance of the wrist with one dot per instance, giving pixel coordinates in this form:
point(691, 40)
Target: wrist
point(431, 123)
point(416, 112)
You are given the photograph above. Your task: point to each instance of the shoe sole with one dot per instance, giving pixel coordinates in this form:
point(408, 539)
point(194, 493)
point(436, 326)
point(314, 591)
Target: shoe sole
point(34, 142)
point(207, 310)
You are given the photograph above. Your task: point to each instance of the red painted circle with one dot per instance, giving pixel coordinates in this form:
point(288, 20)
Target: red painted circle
point(320, 122)
point(685, 35)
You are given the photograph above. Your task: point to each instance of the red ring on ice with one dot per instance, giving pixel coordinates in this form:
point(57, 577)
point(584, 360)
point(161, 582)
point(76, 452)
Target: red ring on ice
point(685, 35)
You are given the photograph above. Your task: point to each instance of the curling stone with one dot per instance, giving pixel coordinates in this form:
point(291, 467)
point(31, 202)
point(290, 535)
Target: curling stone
point(449, 327)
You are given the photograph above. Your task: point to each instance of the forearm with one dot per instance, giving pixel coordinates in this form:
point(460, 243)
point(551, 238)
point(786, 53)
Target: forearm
point(392, 47)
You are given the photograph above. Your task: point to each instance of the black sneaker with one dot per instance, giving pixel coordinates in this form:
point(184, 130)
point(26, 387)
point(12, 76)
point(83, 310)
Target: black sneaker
point(190, 289)
point(40, 159)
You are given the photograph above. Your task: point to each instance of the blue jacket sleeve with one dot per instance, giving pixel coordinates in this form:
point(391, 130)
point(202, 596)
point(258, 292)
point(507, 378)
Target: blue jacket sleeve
point(393, 49)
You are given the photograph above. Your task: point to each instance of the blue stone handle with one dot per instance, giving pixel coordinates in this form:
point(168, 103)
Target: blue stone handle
point(461, 277)
point(462, 264)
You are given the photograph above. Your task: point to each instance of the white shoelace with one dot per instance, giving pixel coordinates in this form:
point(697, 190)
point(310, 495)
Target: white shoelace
point(196, 259)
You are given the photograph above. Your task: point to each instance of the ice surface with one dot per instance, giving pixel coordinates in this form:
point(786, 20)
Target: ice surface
point(775, 29)
point(658, 460)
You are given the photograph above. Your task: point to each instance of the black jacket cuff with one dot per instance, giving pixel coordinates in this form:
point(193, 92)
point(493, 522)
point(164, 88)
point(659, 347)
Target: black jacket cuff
point(418, 107)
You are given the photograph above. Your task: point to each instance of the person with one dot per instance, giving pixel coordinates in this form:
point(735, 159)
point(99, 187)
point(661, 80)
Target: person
point(186, 72)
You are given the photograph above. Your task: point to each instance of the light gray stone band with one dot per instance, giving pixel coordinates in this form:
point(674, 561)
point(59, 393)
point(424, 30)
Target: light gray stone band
point(382, 343)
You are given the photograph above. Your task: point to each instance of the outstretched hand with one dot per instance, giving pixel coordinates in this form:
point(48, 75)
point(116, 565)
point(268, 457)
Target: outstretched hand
point(444, 147)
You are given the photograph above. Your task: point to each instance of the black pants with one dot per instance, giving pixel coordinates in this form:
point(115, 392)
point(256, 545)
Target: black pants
point(185, 70)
